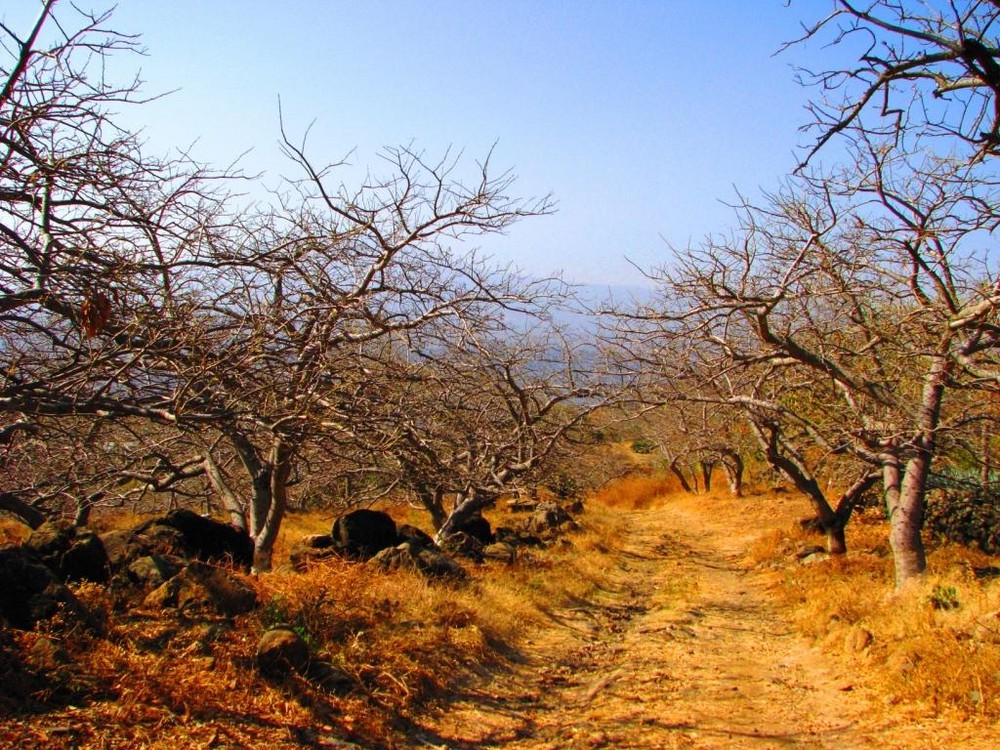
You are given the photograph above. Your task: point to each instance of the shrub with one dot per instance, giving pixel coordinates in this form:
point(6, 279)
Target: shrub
point(644, 445)
point(563, 486)
point(944, 597)
point(966, 514)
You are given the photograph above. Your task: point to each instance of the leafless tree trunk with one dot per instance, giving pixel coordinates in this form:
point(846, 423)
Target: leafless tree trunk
point(732, 464)
point(233, 507)
point(675, 469)
point(905, 490)
point(986, 456)
point(27, 513)
point(793, 468)
point(707, 468)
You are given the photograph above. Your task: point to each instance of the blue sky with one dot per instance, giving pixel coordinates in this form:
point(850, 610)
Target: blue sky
point(639, 117)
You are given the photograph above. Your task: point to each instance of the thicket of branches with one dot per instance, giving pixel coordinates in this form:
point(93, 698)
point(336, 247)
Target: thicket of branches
point(850, 321)
point(158, 340)
point(345, 343)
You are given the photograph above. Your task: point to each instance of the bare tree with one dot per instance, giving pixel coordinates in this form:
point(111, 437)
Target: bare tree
point(694, 435)
point(466, 412)
point(93, 230)
point(72, 465)
point(843, 312)
point(721, 398)
point(312, 291)
point(96, 236)
point(128, 288)
point(928, 69)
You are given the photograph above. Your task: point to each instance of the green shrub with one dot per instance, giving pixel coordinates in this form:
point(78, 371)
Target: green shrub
point(966, 514)
point(644, 445)
point(944, 597)
point(563, 486)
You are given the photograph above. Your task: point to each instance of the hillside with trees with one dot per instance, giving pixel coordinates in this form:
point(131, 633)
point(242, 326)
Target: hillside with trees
point(318, 450)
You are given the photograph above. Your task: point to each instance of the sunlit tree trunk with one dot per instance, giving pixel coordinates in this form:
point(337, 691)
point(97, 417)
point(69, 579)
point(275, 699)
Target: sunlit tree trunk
point(468, 505)
point(676, 470)
point(795, 471)
point(433, 502)
point(269, 494)
point(233, 507)
point(906, 491)
point(987, 458)
point(732, 464)
point(84, 506)
point(265, 532)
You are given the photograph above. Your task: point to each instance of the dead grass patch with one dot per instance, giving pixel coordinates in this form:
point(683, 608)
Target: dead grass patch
point(13, 532)
point(637, 491)
point(161, 680)
point(934, 646)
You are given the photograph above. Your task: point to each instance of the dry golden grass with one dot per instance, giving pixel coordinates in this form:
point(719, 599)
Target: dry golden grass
point(104, 520)
point(914, 649)
point(159, 680)
point(637, 491)
point(13, 532)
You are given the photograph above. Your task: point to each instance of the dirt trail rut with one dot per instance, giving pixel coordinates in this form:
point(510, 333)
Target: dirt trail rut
point(685, 650)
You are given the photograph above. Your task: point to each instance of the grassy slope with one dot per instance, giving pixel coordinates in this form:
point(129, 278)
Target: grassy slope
point(158, 680)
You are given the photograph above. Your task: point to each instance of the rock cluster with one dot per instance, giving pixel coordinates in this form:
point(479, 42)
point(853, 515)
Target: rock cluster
point(72, 553)
point(168, 555)
point(172, 561)
point(31, 592)
point(181, 533)
point(200, 587)
point(370, 535)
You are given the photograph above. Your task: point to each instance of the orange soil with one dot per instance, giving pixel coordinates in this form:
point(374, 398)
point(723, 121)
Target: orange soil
point(687, 649)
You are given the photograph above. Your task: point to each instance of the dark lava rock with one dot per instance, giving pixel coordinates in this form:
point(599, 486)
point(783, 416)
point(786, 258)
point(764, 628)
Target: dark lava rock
point(181, 533)
point(30, 592)
point(86, 559)
point(409, 533)
point(126, 546)
point(501, 552)
point(479, 528)
point(73, 554)
point(210, 540)
point(427, 560)
point(280, 651)
point(51, 539)
point(549, 517)
point(310, 550)
point(363, 533)
point(202, 587)
point(517, 538)
point(154, 570)
point(464, 545)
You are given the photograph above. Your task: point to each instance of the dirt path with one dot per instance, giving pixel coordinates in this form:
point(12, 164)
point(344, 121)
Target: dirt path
point(685, 650)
